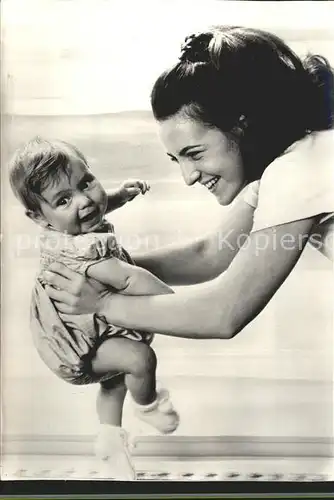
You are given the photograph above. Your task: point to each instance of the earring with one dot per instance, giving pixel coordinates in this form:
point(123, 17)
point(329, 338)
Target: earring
point(242, 125)
point(242, 122)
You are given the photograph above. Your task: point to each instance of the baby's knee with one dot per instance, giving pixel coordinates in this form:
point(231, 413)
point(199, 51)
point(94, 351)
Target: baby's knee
point(144, 361)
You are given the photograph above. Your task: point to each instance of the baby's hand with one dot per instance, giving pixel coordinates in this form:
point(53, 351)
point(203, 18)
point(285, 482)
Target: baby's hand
point(132, 188)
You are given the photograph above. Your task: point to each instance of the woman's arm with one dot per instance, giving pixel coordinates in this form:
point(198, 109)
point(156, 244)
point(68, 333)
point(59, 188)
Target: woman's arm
point(218, 309)
point(208, 256)
point(223, 307)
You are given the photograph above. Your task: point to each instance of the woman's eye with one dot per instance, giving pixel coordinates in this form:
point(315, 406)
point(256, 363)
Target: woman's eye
point(173, 159)
point(196, 155)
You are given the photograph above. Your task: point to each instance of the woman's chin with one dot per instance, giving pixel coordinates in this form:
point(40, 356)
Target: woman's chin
point(226, 195)
point(223, 198)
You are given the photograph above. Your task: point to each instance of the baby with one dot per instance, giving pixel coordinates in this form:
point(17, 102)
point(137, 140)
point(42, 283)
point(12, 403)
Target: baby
point(55, 185)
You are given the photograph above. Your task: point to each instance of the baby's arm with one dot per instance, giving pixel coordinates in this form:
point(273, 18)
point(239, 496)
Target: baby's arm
point(127, 191)
point(116, 199)
point(128, 279)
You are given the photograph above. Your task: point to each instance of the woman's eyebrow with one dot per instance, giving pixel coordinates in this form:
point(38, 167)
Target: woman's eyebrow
point(185, 150)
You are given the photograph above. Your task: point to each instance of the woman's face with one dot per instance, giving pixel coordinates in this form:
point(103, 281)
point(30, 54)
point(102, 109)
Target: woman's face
point(205, 155)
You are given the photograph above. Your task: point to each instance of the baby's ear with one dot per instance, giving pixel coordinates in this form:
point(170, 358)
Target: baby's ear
point(37, 217)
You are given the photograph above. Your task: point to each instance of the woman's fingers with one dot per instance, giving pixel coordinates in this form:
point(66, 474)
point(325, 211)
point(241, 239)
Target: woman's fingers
point(62, 270)
point(64, 308)
point(62, 298)
point(83, 300)
point(60, 276)
point(57, 281)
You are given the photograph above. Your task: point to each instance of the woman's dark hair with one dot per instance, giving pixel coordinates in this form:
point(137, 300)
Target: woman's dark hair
point(228, 72)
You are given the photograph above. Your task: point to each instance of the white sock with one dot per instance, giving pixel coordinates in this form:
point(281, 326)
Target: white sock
point(109, 430)
point(149, 407)
point(112, 447)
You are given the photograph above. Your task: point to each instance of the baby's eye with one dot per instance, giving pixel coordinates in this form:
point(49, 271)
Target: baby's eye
point(63, 201)
point(87, 182)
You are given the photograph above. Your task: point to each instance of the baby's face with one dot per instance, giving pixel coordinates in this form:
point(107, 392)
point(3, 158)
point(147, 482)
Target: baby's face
point(76, 204)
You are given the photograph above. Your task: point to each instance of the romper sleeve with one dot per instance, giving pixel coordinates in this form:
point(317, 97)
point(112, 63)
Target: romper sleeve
point(87, 249)
point(78, 252)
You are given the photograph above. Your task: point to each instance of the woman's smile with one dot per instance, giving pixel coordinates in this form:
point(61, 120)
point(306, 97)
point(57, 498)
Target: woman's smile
point(204, 155)
point(212, 183)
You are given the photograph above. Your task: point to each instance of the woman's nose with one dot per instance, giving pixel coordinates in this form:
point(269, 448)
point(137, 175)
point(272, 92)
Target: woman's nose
point(189, 173)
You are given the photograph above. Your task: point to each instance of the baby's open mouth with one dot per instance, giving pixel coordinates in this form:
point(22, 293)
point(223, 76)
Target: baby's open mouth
point(90, 216)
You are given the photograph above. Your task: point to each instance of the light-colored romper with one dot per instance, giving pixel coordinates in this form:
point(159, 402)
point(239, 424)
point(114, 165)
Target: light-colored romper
point(67, 343)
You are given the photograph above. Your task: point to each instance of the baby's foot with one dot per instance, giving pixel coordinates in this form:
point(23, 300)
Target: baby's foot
point(160, 414)
point(111, 446)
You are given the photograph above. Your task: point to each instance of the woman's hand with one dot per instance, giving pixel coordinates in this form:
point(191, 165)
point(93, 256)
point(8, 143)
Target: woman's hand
point(72, 292)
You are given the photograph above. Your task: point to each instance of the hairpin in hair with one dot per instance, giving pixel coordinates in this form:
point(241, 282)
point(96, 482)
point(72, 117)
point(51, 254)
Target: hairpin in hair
point(195, 48)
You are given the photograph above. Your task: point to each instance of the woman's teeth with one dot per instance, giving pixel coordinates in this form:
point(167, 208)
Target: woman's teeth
point(212, 183)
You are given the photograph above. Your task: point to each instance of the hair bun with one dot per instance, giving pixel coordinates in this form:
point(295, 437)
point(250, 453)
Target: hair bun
point(196, 48)
point(317, 67)
point(322, 86)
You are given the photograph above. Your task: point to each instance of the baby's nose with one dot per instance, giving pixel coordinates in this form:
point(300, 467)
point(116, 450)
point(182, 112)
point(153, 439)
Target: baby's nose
point(83, 201)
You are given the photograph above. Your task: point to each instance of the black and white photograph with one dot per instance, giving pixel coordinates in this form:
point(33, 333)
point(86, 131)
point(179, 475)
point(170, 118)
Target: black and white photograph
point(167, 213)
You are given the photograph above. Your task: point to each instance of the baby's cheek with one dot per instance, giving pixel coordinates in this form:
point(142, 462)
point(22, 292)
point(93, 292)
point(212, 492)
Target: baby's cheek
point(104, 200)
point(68, 225)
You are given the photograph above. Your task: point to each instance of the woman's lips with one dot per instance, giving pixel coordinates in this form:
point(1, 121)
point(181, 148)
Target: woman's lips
point(211, 184)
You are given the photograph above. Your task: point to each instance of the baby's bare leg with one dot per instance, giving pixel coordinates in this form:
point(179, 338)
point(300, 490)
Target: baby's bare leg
point(135, 359)
point(110, 400)
point(138, 362)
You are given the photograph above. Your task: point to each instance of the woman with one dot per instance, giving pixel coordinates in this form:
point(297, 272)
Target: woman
point(239, 106)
